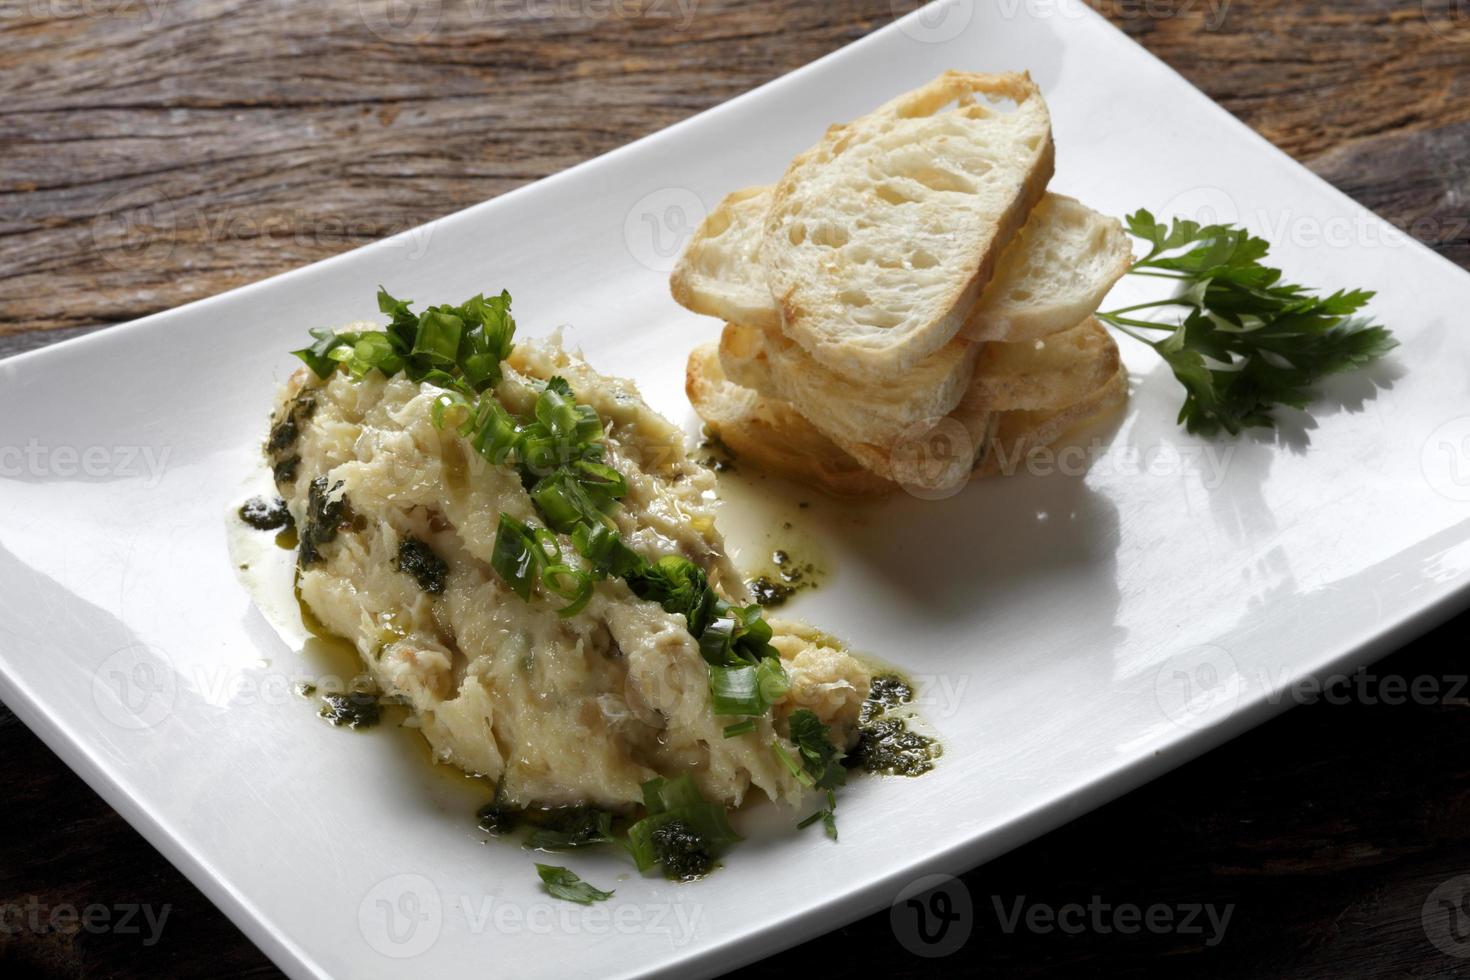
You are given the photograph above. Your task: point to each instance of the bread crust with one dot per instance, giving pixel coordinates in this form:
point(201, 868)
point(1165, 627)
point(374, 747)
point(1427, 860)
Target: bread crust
point(772, 434)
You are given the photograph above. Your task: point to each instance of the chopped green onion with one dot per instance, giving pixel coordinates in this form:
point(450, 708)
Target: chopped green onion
point(772, 680)
point(438, 337)
point(605, 551)
point(451, 401)
point(558, 413)
point(735, 691)
point(515, 556)
point(318, 355)
point(572, 827)
point(495, 437)
point(740, 728)
point(569, 583)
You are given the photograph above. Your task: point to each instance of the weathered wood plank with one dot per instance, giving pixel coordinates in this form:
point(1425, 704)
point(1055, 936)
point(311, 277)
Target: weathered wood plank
point(157, 159)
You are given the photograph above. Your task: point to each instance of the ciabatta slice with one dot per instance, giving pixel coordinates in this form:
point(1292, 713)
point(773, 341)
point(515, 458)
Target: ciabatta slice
point(719, 273)
point(1049, 373)
point(1057, 271)
point(1054, 273)
point(881, 238)
point(878, 413)
point(1028, 384)
point(1020, 434)
point(771, 434)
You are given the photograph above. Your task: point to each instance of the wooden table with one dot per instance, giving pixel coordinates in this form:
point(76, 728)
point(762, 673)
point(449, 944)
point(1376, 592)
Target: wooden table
point(155, 152)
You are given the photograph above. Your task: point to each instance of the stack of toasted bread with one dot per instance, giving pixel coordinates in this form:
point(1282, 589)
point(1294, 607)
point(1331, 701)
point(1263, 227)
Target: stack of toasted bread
point(909, 305)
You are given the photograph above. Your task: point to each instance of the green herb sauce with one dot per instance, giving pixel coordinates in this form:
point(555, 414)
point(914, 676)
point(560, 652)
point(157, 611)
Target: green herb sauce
point(786, 577)
point(355, 709)
point(325, 516)
point(886, 743)
point(266, 515)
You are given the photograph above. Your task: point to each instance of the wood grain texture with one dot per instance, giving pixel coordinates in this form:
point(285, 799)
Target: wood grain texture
point(154, 152)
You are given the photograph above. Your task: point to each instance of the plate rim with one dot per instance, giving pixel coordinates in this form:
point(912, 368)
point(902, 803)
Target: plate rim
point(1057, 809)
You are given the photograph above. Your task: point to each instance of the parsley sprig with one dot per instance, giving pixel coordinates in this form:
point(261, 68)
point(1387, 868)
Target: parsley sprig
point(1246, 341)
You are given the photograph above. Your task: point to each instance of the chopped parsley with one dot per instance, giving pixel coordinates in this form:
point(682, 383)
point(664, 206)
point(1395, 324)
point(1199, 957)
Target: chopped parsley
point(561, 883)
point(417, 560)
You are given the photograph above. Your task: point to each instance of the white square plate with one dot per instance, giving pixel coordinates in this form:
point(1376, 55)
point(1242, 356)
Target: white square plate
point(1080, 634)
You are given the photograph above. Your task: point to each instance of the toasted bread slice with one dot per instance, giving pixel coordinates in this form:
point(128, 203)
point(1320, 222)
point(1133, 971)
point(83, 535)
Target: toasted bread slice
point(1022, 433)
point(934, 457)
point(719, 273)
point(772, 434)
point(933, 452)
point(1057, 271)
point(1043, 374)
point(878, 413)
point(1038, 375)
point(1023, 396)
point(881, 238)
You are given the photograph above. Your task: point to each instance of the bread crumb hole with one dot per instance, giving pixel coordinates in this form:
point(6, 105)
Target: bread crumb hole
point(891, 194)
point(797, 234)
point(854, 297)
point(830, 235)
point(923, 260)
point(939, 179)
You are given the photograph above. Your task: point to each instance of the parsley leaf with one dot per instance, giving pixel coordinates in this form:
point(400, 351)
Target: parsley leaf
point(819, 757)
point(1247, 342)
point(561, 883)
